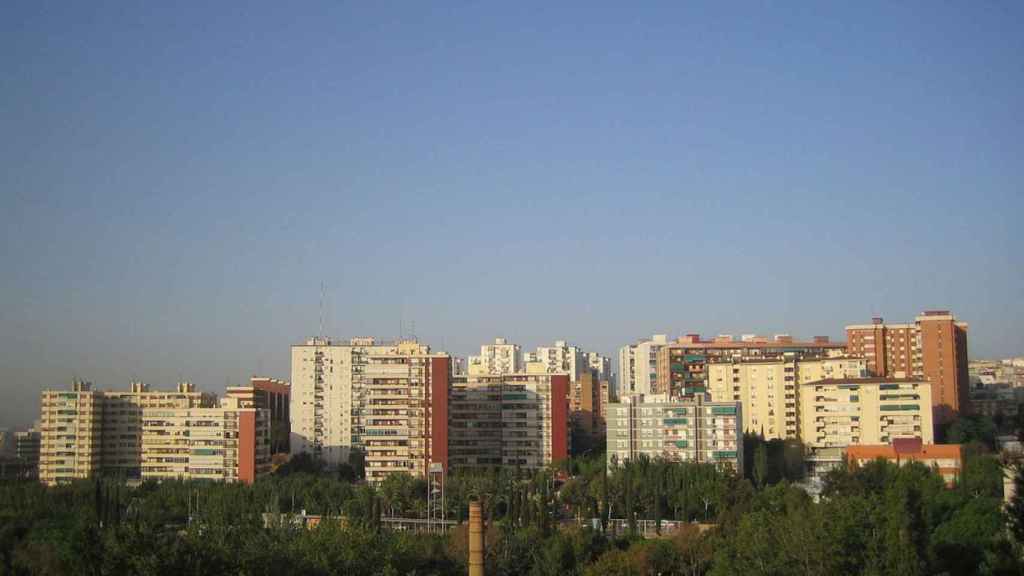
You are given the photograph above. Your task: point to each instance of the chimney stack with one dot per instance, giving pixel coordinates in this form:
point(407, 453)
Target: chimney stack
point(476, 539)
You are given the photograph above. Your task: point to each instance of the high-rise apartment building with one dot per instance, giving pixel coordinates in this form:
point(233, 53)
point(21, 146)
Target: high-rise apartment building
point(638, 366)
point(124, 424)
point(498, 358)
point(142, 434)
point(934, 348)
point(381, 397)
point(70, 433)
point(405, 419)
point(273, 395)
point(682, 366)
point(585, 405)
point(26, 450)
point(681, 430)
point(768, 387)
point(514, 420)
point(852, 411)
point(601, 365)
point(562, 358)
point(227, 443)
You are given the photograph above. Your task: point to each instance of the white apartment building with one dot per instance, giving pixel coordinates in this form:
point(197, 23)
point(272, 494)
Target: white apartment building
point(562, 358)
point(601, 365)
point(344, 393)
point(496, 359)
point(638, 366)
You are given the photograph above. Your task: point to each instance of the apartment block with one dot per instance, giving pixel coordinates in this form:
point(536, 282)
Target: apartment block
point(123, 417)
point(227, 443)
point(638, 366)
point(768, 387)
point(852, 411)
point(70, 434)
point(515, 420)
point(682, 430)
point(562, 358)
point(585, 404)
point(682, 366)
point(26, 450)
point(328, 394)
point(406, 414)
point(495, 359)
point(143, 434)
point(273, 395)
point(600, 365)
point(934, 348)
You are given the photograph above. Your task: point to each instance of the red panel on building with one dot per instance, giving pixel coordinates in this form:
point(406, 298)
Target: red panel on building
point(439, 370)
point(247, 447)
point(559, 417)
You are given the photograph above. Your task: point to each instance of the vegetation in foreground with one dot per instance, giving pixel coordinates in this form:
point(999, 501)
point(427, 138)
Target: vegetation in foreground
point(878, 519)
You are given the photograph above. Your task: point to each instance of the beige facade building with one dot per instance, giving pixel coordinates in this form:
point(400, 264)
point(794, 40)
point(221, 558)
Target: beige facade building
point(144, 434)
point(686, 430)
point(330, 395)
point(562, 358)
point(768, 388)
point(498, 358)
point(854, 411)
point(405, 416)
point(70, 435)
point(226, 443)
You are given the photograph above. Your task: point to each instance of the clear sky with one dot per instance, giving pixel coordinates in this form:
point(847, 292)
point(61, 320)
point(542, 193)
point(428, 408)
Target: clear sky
point(176, 180)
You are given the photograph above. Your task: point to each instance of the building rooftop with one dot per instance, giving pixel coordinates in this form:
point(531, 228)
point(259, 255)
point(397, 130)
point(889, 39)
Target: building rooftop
point(870, 380)
point(905, 448)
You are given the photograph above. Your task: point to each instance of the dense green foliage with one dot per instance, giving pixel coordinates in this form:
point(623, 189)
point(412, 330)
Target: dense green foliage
point(879, 519)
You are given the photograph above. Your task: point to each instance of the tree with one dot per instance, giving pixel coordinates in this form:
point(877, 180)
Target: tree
point(760, 465)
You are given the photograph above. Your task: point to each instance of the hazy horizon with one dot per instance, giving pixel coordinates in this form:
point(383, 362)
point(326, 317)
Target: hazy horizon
point(178, 181)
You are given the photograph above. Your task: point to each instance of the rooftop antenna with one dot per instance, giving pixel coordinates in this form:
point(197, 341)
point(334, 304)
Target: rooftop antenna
point(321, 309)
point(413, 329)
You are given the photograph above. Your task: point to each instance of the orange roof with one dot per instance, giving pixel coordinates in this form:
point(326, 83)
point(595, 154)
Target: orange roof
point(887, 451)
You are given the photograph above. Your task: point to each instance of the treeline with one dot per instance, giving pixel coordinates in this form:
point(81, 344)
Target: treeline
point(878, 519)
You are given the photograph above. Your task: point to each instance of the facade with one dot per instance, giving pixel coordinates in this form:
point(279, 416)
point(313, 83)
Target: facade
point(69, 443)
point(514, 420)
point(683, 430)
point(851, 411)
point(558, 359)
point(405, 419)
point(682, 366)
point(273, 395)
point(946, 458)
point(329, 392)
point(26, 451)
point(601, 365)
point(147, 434)
point(997, 401)
point(768, 387)
point(638, 366)
point(585, 404)
point(498, 358)
point(124, 422)
point(934, 348)
point(226, 443)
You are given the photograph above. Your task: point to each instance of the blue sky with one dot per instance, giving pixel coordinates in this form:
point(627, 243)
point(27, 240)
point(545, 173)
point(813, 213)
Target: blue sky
point(176, 181)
